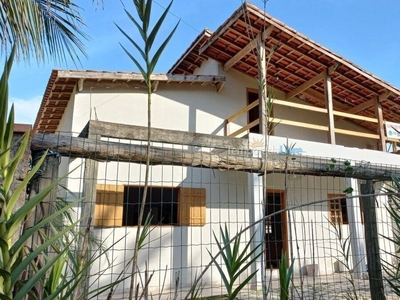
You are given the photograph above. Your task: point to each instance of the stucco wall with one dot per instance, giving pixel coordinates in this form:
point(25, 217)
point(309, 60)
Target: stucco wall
point(198, 108)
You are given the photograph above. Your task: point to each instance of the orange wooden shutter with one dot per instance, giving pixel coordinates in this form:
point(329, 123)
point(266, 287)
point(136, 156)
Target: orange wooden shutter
point(109, 205)
point(192, 207)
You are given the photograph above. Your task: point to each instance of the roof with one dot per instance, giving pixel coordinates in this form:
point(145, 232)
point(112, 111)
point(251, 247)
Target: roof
point(295, 61)
point(295, 67)
point(191, 59)
point(62, 83)
point(22, 128)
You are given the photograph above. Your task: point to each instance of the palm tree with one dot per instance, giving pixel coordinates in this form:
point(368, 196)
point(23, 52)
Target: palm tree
point(42, 29)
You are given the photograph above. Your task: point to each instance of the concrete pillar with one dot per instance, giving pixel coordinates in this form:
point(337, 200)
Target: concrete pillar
point(255, 189)
point(357, 237)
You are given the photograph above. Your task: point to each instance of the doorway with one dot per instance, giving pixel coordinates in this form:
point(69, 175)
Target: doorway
point(253, 114)
point(275, 229)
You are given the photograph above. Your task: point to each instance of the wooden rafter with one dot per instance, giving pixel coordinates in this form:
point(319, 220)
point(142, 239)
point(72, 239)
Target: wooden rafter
point(303, 39)
point(365, 105)
point(305, 86)
point(250, 46)
point(216, 35)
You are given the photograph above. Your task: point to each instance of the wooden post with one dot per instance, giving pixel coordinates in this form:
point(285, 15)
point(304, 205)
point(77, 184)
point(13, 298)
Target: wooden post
point(262, 85)
point(87, 212)
point(381, 128)
point(329, 107)
point(89, 190)
point(371, 242)
point(49, 172)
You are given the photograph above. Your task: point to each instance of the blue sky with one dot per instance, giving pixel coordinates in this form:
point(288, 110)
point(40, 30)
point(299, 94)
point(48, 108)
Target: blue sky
point(367, 32)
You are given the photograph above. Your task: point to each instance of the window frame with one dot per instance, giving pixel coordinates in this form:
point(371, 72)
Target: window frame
point(190, 207)
point(337, 212)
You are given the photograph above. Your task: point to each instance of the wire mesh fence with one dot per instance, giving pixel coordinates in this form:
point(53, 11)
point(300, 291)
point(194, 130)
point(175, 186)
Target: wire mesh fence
point(312, 216)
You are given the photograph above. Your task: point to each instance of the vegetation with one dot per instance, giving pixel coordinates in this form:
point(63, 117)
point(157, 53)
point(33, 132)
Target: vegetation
point(143, 10)
point(236, 260)
point(392, 268)
point(43, 29)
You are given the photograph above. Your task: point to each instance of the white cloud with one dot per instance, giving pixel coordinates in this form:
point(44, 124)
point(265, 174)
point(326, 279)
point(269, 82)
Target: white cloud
point(25, 109)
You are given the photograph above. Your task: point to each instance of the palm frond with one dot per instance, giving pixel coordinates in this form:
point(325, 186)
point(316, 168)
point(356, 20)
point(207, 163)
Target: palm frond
point(44, 29)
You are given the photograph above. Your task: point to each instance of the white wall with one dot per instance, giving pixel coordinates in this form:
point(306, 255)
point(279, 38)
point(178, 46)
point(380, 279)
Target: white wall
point(182, 248)
point(198, 108)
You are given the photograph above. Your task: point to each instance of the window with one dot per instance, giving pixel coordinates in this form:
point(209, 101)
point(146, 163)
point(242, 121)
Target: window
point(338, 210)
point(118, 205)
point(161, 201)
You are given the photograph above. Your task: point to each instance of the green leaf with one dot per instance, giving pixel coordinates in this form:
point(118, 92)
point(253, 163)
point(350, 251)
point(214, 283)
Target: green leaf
point(144, 73)
point(333, 160)
point(38, 275)
point(21, 187)
point(28, 233)
point(146, 16)
point(156, 28)
point(22, 266)
point(348, 190)
point(349, 169)
point(23, 211)
point(221, 272)
point(160, 50)
point(9, 178)
point(133, 43)
point(139, 28)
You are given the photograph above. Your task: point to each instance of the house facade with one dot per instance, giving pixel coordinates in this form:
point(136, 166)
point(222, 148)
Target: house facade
point(319, 105)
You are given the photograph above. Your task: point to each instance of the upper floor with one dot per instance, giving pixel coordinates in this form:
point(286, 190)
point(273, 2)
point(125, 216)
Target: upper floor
point(307, 92)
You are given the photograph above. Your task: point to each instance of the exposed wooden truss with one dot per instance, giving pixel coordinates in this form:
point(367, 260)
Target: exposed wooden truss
point(249, 47)
point(297, 63)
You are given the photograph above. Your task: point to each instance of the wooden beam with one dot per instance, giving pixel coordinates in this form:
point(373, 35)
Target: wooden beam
point(219, 86)
point(356, 117)
point(250, 46)
point(320, 97)
point(300, 106)
point(384, 96)
point(130, 76)
point(302, 39)
point(242, 111)
point(357, 133)
point(310, 82)
point(139, 133)
point(154, 86)
point(329, 107)
point(262, 86)
point(358, 108)
point(381, 127)
point(227, 160)
point(305, 85)
point(244, 128)
point(232, 20)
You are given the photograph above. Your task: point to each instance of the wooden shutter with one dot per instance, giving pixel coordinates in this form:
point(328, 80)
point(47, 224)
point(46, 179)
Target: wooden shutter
point(192, 207)
point(109, 205)
point(338, 209)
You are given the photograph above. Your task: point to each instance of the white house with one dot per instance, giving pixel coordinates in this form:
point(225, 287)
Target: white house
point(323, 106)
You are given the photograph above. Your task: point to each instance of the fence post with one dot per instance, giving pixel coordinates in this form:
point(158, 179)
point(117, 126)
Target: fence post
point(47, 173)
point(87, 212)
point(371, 241)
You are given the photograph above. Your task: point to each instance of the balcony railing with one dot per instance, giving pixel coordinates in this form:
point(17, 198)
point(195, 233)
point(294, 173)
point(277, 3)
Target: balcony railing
point(338, 114)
